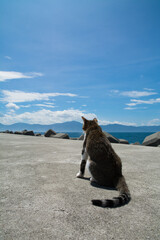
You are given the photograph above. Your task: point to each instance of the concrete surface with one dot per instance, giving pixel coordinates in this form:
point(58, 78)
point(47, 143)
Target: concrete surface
point(42, 199)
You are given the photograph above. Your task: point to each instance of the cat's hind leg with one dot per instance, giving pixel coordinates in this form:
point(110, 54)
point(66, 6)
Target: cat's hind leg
point(92, 168)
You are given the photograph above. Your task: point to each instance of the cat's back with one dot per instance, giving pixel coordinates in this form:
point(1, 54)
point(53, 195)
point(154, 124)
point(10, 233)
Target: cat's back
point(97, 143)
point(97, 137)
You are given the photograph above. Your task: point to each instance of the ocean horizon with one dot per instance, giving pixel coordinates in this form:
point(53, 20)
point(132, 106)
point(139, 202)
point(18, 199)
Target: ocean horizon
point(131, 137)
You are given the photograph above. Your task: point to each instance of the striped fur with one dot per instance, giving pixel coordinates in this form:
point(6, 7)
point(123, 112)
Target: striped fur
point(103, 163)
point(123, 198)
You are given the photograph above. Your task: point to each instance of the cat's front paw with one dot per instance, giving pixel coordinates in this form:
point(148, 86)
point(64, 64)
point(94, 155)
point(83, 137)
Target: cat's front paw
point(79, 175)
point(92, 180)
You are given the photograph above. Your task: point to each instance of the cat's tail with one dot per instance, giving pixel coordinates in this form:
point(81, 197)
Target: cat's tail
point(123, 198)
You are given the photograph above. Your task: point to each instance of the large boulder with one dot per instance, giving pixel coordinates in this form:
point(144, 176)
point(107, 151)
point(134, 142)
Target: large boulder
point(152, 140)
point(61, 135)
point(136, 143)
point(38, 134)
point(49, 133)
point(111, 138)
point(81, 137)
point(7, 131)
point(123, 141)
point(29, 133)
point(18, 132)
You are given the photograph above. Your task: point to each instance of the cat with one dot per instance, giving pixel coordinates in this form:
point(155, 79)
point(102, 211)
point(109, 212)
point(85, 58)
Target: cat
point(104, 164)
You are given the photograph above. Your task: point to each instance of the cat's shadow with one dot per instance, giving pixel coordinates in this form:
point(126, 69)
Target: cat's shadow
point(95, 184)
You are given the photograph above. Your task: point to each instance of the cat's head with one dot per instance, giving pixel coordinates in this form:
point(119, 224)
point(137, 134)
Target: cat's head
point(89, 123)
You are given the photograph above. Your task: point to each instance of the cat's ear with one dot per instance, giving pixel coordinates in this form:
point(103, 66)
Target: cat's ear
point(95, 120)
point(83, 119)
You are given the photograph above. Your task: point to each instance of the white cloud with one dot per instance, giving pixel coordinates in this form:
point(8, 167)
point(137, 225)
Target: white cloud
point(130, 108)
point(135, 102)
point(154, 122)
point(44, 105)
point(71, 101)
point(7, 75)
point(114, 91)
point(137, 93)
point(25, 106)
point(20, 96)
point(12, 105)
point(46, 116)
point(104, 122)
point(8, 57)
point(149, 89)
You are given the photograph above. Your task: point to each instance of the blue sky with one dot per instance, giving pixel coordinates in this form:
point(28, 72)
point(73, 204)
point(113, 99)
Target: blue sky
point(61, 59)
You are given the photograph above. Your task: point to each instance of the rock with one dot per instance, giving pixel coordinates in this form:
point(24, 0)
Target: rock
point(29, 133)
point(73, 138)
point(49, 133)
point(61, 135)
point(152, 140)
point(18, 132)
point(81, 137)
point(136, 143)
point(111, 138)
point(7, 131)
point(123, 141)
point(38, 134)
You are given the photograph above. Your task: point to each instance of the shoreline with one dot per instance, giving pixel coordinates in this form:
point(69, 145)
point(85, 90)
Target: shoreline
point(135, 138)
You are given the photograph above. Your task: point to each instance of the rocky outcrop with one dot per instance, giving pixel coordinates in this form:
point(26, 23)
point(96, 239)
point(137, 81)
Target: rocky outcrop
point(123, 141)
point(49, 133)
point(152, 140)
point(61, 135)
point(111, 138)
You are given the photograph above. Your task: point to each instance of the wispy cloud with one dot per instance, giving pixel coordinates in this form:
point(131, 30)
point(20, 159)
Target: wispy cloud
point(133, 94)
point(154, 122)
point(135, 102)
point(104, 122)
point(149, 89)
point(137, 93)
point(8, 75)
point(44, 105)
point(20, 96)
point(71, 101)
point(130, 108)
point(8, 57)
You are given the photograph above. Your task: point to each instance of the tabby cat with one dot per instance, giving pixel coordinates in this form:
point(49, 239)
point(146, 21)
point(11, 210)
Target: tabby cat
point(104, 164)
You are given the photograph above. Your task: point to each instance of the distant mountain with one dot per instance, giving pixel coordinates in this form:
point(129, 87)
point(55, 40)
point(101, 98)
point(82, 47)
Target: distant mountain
point(124, 128)
point(58, 127)
point(76, 127)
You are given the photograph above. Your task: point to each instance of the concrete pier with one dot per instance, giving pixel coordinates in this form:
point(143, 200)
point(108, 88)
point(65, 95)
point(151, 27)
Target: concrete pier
point(40, 197)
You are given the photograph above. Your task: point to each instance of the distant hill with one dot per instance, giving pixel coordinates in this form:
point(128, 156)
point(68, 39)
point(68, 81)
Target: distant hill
point(124, 128)
point(74, 126)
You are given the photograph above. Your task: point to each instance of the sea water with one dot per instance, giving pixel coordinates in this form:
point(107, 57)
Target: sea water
point(131, 137)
